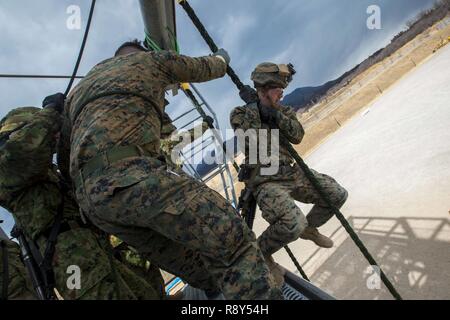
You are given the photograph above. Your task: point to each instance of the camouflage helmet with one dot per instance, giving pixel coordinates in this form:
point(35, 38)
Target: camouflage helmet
point(269, 74)
point(17, 118)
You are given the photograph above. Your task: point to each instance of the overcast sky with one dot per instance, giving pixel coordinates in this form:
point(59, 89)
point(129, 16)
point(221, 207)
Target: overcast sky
point(322, 38)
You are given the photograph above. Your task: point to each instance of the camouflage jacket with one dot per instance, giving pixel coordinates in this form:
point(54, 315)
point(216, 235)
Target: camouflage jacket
point(285, 120)
point(29, 184)
point(124, 119)
point(30, 190)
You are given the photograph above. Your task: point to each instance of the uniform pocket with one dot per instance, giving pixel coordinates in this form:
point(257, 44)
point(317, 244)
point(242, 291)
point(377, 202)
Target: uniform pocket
point(79, 260)
point(166, 191)
point(109, 182)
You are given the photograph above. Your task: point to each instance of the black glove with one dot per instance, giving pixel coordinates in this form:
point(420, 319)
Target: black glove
point(268, 115)
point(248, 94)
point(209, 121)
point(55, 101)
point(224, 54)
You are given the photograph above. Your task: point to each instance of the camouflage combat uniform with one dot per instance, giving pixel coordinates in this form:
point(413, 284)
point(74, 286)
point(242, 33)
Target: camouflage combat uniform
point(276, 194)
point(124, 187)
point(19, 286)
point(30, 188)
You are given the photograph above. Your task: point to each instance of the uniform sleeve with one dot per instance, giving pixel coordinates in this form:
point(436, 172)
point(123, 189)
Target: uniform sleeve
point(289, 125)
point(27, 155)
point(244, 118)
point(181, 68)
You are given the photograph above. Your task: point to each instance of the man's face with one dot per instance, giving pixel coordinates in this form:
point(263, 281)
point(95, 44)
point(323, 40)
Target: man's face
point(275, 95)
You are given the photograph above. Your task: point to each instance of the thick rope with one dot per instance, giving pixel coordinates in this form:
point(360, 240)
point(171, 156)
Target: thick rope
point(80, 54)
point(199, 25)
point(298, 159)
point(297, 264)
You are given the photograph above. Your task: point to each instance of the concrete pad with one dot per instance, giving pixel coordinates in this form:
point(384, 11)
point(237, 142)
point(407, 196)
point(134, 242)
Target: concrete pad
point(394, 159)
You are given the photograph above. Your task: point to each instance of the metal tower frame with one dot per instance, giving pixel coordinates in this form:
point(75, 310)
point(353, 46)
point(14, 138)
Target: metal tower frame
point(198, 102)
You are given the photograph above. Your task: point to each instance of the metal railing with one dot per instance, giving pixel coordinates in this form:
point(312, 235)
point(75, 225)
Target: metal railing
point(206, 144)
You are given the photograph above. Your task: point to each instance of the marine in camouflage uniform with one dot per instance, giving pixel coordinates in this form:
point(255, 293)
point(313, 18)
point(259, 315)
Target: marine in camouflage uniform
point(19, 286)
point(276, 194)
point(124, 187)
point(31, 189)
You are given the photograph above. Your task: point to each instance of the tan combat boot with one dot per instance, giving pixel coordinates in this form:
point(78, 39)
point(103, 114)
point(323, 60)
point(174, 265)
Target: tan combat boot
point(315, 236)
point(277, 271)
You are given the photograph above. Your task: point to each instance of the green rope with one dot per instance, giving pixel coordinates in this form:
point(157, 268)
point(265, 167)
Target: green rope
point(176, 47)
point(150, 43)
point(299, 267)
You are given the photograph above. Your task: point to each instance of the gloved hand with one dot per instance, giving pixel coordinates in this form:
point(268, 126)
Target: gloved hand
point(55, 101)
point(268, 114)
point(209, 121)
point(224, 54)
point(248, 94)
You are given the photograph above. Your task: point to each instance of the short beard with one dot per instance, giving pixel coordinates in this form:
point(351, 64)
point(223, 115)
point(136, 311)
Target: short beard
point(264, 93)
point(273, 104)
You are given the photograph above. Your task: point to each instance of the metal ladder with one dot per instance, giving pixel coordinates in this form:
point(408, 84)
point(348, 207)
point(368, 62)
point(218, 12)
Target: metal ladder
point(199, 104)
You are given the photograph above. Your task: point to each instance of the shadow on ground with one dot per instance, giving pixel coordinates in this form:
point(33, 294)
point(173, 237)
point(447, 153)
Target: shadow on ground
point(406, 248)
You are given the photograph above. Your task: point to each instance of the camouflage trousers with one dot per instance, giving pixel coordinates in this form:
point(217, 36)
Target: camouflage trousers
point(277, 203)
point(19, 286)
point(179, 224)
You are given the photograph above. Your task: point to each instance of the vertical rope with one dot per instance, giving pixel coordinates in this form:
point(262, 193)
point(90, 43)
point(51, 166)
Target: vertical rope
point(297, 264)
point(80, 54)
